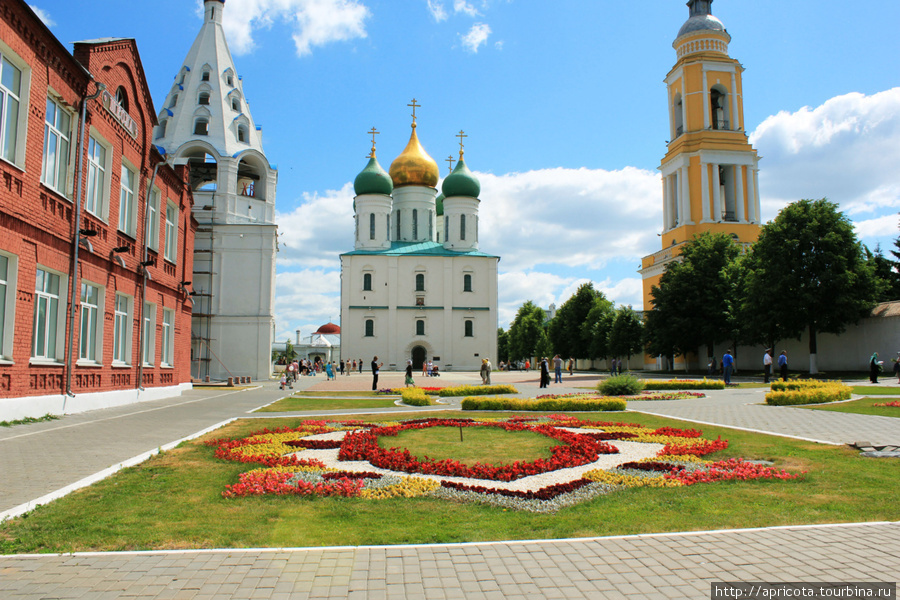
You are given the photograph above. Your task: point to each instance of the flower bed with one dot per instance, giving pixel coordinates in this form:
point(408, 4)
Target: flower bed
point(894, 404)
point(683, 384)
point(584, 465)
point(570, 404)
point(653, 396)
point(477, 390)
point(791, 393)
point(415, 397)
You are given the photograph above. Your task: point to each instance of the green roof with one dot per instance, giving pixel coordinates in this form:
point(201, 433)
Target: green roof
point(373, 180)
point(417, 249)
point(461, 182)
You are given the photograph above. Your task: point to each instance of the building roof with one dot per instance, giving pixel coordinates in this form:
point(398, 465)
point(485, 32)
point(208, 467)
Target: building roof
point(417, 249)
point(328, 329)
point(886, 309)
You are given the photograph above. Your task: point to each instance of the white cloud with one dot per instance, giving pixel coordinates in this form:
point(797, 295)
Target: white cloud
point(879, 226)
point(42, 15)
point(437, 10)
point(319, 229)
point(461, 6)
point(847, 150)
point(315, 22)
point(477, 36)
point(306, 300)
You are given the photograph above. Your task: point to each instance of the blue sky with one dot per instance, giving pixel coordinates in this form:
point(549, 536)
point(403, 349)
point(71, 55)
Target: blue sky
point(564, 106)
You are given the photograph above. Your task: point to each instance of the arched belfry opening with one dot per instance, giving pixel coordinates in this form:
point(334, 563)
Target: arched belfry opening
point(718, 107)
point(251, 177)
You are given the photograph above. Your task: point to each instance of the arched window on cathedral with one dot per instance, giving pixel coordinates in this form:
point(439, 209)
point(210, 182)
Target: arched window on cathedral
point(398, 226)
point(469, 328)
point(420, 327)
point(371, 226)
point(678, 115)
point(420, 282)
point(415, 219)
point(467, 282)
point(370, 327)
point(367, 282)
point(718, 105)
point(462, 227)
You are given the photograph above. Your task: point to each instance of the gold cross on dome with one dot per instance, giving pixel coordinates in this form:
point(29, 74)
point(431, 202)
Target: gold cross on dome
point(373, 133)
point(450, 160)
point(461, 135)
point(414, 107)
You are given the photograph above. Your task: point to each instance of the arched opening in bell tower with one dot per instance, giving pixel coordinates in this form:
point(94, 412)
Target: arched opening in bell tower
point(678, 115)
point(251, 177)
point(718, 105)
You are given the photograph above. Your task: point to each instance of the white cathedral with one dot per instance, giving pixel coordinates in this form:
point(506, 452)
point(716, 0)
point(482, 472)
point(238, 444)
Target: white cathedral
point(206, 123)
point(416, 287)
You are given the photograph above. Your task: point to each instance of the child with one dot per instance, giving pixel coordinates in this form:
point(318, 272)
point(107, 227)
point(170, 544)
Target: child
point(283, 380)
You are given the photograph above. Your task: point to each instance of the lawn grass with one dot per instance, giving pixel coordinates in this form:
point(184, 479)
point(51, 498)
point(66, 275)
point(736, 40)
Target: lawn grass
point(485, 445)
point(875, 390)
point(342, 394)
point(863, 406)
point(174, 501)
point(302, 403)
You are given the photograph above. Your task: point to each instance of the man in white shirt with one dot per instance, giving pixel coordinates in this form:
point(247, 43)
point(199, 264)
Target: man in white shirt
point(767, 364)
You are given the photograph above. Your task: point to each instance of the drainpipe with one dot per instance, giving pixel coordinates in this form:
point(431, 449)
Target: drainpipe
point(144, 273)
point(74, 296)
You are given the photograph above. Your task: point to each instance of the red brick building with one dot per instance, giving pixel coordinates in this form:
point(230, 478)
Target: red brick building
point(96, 232)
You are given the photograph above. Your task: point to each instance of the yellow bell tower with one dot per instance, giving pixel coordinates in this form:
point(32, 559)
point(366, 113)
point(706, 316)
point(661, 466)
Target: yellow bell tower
point(709, 174)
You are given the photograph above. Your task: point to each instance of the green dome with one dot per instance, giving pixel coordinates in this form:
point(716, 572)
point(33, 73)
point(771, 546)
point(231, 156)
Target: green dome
point(373, 180)
point(461, 182)
point(439, 205)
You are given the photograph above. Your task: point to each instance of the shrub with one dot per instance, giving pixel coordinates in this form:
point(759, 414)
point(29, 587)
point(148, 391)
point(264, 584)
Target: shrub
point(792, 393)
point(545, 404)
point(620, 385)
point(684, 384)
point(478, 390)
point(415, 397)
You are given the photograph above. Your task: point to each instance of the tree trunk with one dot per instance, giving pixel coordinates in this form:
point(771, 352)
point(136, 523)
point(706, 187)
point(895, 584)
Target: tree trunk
point(812, 350)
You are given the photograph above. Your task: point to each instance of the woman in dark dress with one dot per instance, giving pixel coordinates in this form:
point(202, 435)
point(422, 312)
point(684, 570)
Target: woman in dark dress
point(545, 373)
point(874, 367)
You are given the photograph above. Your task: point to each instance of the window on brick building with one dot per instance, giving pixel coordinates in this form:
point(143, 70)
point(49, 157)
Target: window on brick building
point(127, 195)
point(167, 351)
point(57, 129)
point(45, 335)
point(10, 100)
point(7, 304)
point(148, 334)
point(122, 97)
point(95, 195)
point(152, 233)
point(171, 251)
point(89, 338)
point(121, 330)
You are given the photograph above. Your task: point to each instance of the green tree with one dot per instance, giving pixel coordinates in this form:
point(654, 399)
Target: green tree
point(502, 345)
point(285, 356)
point(807, 272)
point(596, 327)
point(626, 333)
point(691, 305)
point(566, 330)
point(885, 276)
point(525, 331)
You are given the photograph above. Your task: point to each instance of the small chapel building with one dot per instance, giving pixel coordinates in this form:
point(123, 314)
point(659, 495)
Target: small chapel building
point(416, 286)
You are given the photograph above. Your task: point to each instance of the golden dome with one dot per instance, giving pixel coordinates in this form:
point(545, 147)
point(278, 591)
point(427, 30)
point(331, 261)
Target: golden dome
point(414, 166)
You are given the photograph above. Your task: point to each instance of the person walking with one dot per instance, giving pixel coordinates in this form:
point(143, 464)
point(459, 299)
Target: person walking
point(727, 366)
point(545, 373)
point(488, 368)
point(484, 371)
point(557, 369)
point(376, 366)
point(782, 364)
point(409, 378)
point(359, 362)
point(874, 367)
point(767, 365)
point(571, 366)
point(329, 371)
point(897, 367)
point(342, 366)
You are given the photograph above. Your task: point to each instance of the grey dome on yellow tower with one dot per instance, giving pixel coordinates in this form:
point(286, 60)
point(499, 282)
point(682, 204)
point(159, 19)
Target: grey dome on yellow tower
point(414, 166)
point(461, 182)
point(701, 19)
point(373, 179)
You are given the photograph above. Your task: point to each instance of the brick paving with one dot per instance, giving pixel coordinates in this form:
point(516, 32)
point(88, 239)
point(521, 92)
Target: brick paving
point(43, 458)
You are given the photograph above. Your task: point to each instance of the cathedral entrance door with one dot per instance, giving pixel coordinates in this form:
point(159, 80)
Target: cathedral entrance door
point(418, 358)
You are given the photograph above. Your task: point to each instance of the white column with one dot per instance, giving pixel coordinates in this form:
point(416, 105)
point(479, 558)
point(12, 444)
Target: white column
point(751, 193)
point(705, 102)
point(734, 103)
point(704, 190)
point(739, 192)
point(685, 195)
point(683, 107)
point(756, 207)
point(665, 196)
point(717, 200)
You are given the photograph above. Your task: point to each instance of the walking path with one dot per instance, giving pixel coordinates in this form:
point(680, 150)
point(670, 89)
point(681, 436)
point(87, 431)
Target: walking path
point(44, 459)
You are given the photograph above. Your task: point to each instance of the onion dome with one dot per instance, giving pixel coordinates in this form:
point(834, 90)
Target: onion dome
point(701, 19)
point(373, 179)
point(328, 329)
point(414, 166)
point(439, 206)
point(461, 182)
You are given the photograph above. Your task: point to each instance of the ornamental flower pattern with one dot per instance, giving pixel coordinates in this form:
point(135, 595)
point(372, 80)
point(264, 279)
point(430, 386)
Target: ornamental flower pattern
point(674, 461)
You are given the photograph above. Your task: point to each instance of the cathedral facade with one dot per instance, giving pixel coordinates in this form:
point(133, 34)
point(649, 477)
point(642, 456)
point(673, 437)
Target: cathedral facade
point(710, 171)
point(416, 286)
point(206, 124)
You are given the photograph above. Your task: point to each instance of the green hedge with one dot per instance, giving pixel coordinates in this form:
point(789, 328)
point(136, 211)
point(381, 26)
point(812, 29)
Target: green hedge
point(825, 391)
point(478, 390)
point(683, 384)
point(620, 385)
point(544, 404)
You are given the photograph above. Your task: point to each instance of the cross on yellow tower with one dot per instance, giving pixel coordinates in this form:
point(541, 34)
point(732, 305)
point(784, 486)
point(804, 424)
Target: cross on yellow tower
point(373, 133)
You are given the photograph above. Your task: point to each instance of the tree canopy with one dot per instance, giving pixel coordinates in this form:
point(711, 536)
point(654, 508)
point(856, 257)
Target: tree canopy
point(526, 331)
point(567, 331)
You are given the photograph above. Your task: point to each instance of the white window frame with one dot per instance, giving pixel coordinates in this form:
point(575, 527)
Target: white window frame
point(94, 347)
point(8, 282)
point(13, 150)
point(58, 134)
point(122, 338)
point(171, 241)
point(152, 233)
point(53, 344)
point(148, 334)
point(128, 198)
point(167, 349)
point(96, 199)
